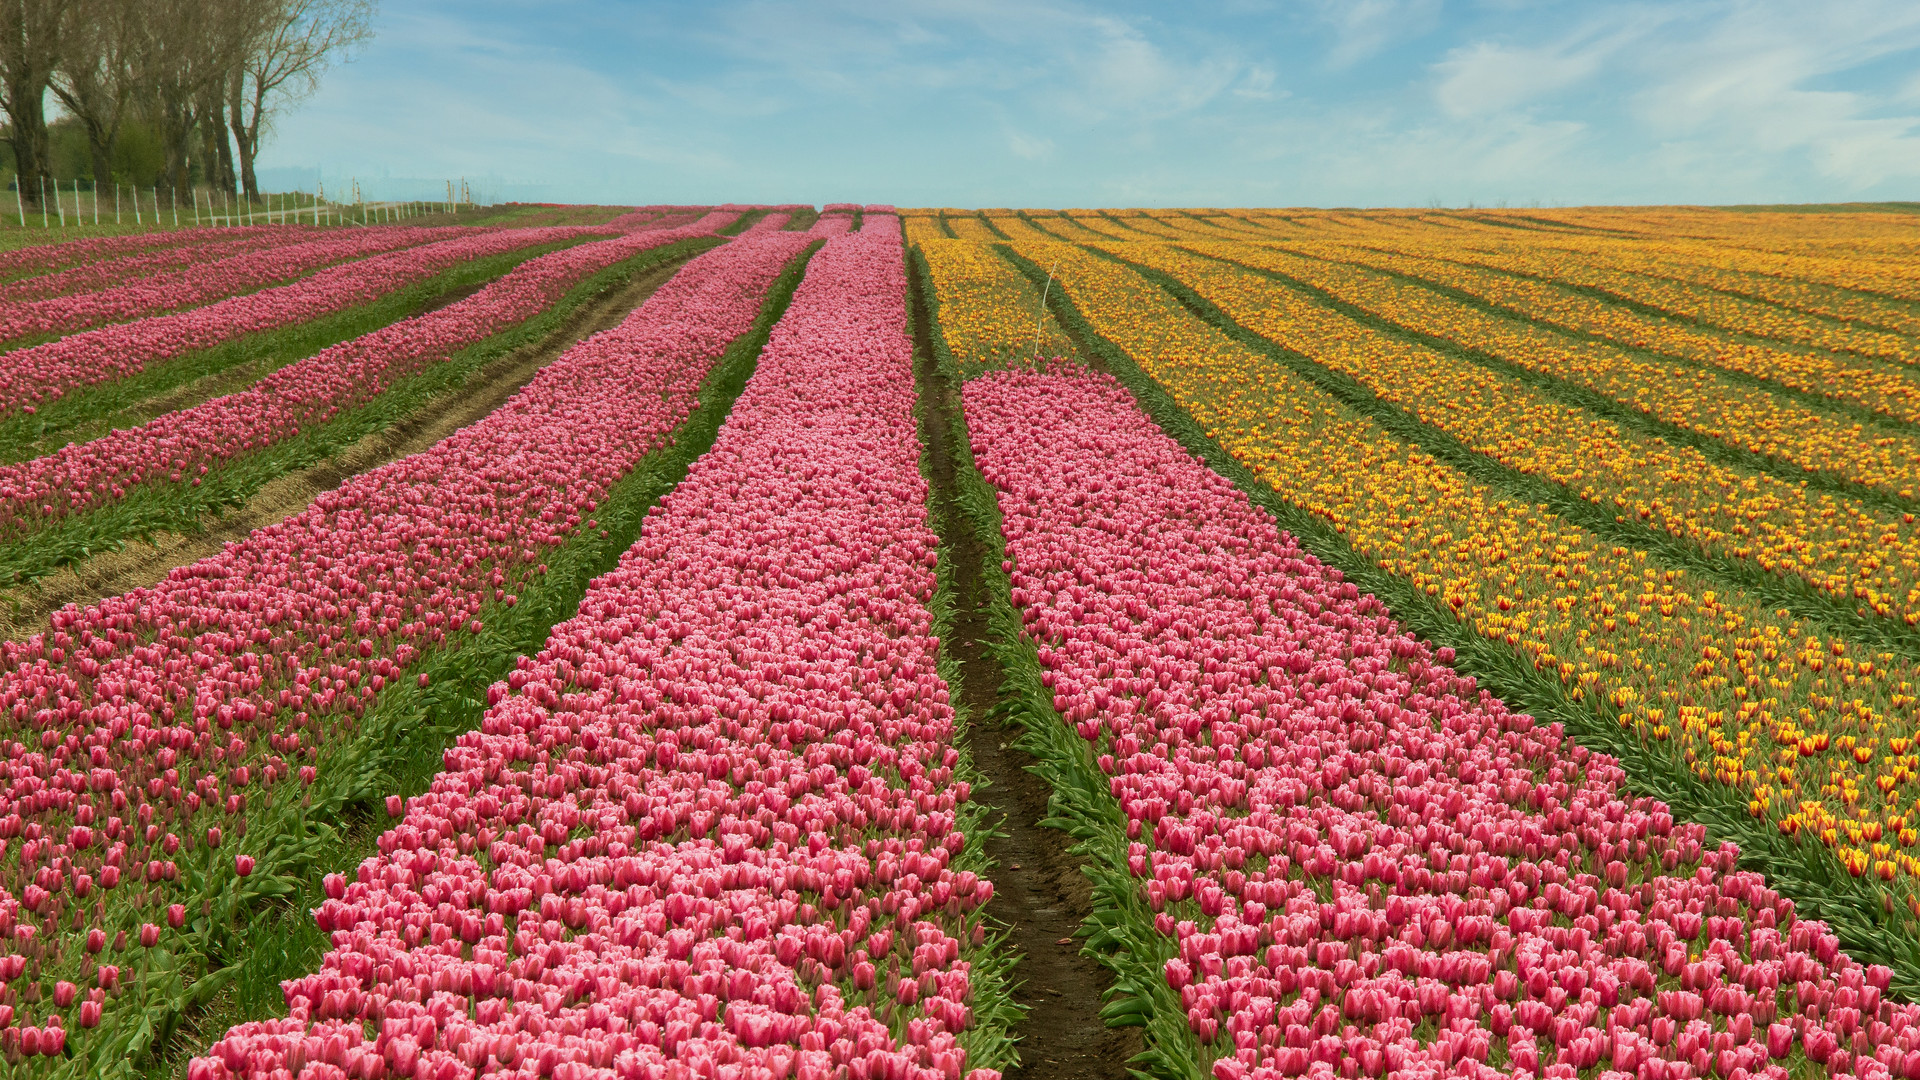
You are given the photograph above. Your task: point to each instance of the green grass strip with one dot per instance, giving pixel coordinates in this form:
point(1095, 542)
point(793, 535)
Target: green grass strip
point(1785, 591)
point(182, 507)
point(88, 411)
point(991, 227)
point(742, 223)
point(1119, 931)
point(1873, 928)
point(268, 934)
point(946, 229)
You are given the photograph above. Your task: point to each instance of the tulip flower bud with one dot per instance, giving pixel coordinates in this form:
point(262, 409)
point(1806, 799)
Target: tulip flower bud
point(89, 1014)
point(177, 915)
point(213, 836)
point(243, 865)
point(63, 993)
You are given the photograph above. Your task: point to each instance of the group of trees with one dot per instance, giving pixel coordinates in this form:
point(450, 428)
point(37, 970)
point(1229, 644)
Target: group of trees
point(204, 77)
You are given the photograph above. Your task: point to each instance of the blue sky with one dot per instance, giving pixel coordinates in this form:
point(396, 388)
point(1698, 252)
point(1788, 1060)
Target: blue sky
point(1054, 103)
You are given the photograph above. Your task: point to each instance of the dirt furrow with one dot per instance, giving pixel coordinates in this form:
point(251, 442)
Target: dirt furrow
point(1039, 891)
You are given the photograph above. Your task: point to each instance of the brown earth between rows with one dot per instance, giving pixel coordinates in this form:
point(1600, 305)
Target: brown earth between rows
point(1039, 891)
point(28, 608)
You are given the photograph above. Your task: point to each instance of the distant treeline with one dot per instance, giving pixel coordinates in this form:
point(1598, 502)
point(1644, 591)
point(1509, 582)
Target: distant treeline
point(159, 93)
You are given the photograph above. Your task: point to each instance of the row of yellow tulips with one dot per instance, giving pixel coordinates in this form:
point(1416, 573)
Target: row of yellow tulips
point(1849, 551)
point(1880, 385)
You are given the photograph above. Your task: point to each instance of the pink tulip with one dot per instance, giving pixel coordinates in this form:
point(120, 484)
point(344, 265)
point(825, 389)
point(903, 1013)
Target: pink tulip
point(1350, 819)
point(47, 372)
point(189, 443)
point(808, 520)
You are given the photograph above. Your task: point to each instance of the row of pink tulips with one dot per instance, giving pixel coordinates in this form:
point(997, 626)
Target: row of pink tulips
point(215, 276)
point(106, 271)
point(32, 376)
point(183, 445)
point(23, 262)
point(1360, 863)
point(148, 732)
point(709, 831)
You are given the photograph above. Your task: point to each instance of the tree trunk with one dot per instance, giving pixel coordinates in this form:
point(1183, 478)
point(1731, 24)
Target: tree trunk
point(27, 131)
point(217, 149)
point(245, 143)
point(100, 146)
point(175, 130)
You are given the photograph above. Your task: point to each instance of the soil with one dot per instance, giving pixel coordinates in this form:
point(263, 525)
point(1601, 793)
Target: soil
point(1039, 891)
point(141, 563)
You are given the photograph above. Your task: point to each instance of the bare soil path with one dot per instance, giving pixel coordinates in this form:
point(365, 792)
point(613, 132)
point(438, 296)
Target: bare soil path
point(1039, 891)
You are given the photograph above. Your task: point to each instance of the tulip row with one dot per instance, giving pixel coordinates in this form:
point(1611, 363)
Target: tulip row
point(166, 740)
point(112, 270)
point(1616, 637)
point(1802, 284)
point(1344, 855)
point(1868, 285)
point(88, 412)
point(214, 276)
point(1868, 385)
point(35, 259)
point(715, 828)
point(1705, 306)
point(992, 316)
point(1751, 522)
point(57, 508)
point(1528, 324)
point(32, 376)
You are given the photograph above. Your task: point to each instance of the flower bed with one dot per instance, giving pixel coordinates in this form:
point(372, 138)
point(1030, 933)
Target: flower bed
point(116, 269)
point(31, 376)
point(714, 827)
point(164, 741)
point(1343, 856)
point(189, 443)
point(34, 259)
point(210, 278)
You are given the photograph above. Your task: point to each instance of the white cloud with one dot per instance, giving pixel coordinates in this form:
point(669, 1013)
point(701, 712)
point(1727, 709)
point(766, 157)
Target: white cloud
point(1028, 147)
point(1363, 28)
point(1751, 86)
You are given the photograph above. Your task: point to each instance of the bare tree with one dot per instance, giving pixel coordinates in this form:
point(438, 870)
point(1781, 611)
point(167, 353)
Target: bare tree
point(188, 48)
point(95, 81)
point(31, 33)
point(288, 44)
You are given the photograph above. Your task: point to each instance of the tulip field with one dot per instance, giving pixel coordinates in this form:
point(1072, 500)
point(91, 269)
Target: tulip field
point(1446, 643)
